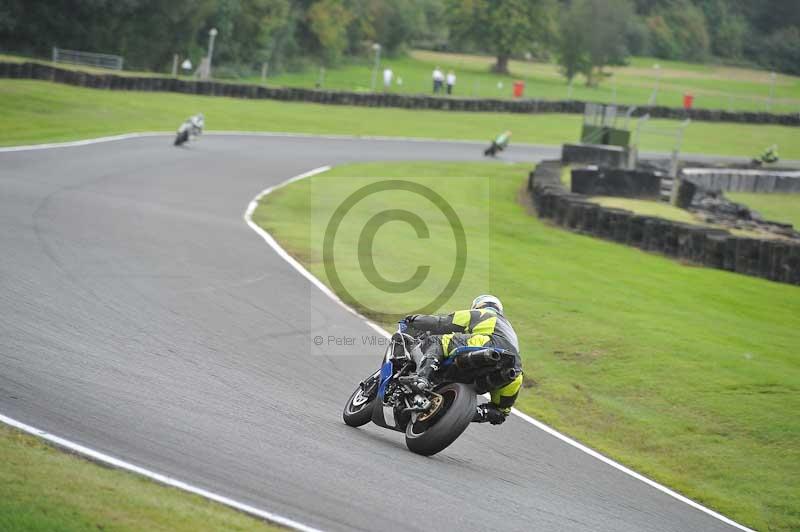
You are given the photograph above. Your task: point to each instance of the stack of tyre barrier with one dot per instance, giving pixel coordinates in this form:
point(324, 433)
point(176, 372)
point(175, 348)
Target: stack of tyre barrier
point(773, 259)
point(408, 101)
point(618, 182)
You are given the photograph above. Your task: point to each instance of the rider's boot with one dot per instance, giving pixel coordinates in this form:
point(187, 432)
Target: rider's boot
point(427, 367)
point(490, 413)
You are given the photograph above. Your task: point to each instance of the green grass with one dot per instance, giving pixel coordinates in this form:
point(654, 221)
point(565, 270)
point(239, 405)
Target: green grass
point(713, 87)
point(777, 207)
point(670, 212)
point(38, 111)
point(43, 489)
point(647, 208)
point(689, 375)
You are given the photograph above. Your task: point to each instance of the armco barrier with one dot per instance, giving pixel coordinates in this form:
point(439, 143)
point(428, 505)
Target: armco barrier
point(773, 259)
point(744, 180)
point(406, 101)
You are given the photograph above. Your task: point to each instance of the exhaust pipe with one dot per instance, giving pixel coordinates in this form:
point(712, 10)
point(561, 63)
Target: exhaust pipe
point(478, 359)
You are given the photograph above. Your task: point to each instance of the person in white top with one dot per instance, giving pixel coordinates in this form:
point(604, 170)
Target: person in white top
point(451, 80)
point(387, 78)
point(438, 80)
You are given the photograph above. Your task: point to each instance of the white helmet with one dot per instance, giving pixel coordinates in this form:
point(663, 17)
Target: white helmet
point(487, 301)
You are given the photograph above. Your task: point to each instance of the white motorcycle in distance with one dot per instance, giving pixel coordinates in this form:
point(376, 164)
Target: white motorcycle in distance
point(192, 127)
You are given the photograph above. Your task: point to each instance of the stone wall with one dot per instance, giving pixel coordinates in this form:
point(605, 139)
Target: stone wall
point(408, 101)
point(744, 180)
point(776, 260)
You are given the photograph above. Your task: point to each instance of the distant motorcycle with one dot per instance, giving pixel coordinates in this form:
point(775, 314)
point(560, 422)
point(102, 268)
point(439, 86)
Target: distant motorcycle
point(768, 156)
point(499, 144)
point(192, 127)
point(431, 420)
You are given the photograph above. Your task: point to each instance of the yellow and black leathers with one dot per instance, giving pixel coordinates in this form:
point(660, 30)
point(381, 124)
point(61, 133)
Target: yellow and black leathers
point(481, 327)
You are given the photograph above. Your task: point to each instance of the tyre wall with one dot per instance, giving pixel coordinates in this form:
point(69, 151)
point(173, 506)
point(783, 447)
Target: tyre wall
point(776, 260)
point(616, 182)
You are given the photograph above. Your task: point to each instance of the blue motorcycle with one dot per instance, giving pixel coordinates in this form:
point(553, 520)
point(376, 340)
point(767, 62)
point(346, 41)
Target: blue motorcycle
point(431, 419)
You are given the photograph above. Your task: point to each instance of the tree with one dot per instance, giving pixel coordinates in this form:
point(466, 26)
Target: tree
point(572, 47)
point(504, 27)
point(678, 30)
point(781, 50)
point(592, 36)
point(328, 20)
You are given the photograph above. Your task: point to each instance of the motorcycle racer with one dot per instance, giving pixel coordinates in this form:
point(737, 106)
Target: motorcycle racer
point(483, 325)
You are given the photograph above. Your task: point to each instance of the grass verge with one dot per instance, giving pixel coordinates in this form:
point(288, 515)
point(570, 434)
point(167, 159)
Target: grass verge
point(778, 207)
point(688, 375)
point(38, 111)
point(714, 87)
point(42, 488)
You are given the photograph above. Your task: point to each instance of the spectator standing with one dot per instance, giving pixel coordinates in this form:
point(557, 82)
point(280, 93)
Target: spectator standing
point(451, 81)
point(438, 80)
point(387, 78)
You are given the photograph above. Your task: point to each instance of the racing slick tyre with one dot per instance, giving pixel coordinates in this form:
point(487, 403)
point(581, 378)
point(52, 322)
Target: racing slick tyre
point(433, 432)
point(358, 410)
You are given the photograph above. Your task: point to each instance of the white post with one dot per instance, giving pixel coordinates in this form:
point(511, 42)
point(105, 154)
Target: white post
point(377, 48)
point(614, 95)
point(175, 66)
point(264, 69)
point(773, 76)
point(569, 89)
point(654, 95)
point(55, 54)
point(321, 78)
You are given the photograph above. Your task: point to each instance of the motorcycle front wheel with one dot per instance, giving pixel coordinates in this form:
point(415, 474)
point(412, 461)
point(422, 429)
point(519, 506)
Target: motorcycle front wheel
point(358, 410)
point(429, 434)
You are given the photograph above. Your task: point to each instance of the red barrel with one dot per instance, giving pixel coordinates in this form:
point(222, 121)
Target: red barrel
point(519, 89)
point(688, 100)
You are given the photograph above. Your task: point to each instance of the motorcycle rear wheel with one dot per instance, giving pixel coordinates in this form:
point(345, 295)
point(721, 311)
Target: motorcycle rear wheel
point(434, 434)
point(358, 410)
point(180, 138)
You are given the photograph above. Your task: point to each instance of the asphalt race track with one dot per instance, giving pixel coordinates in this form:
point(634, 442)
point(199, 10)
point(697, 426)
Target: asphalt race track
point(140, 316)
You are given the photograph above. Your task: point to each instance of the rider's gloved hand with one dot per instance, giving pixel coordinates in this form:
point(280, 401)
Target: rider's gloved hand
point(402, 325)
point(488, 412)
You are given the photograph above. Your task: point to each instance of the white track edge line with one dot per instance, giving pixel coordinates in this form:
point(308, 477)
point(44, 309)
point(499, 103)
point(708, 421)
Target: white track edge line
point(158, 477)
point(525, 417)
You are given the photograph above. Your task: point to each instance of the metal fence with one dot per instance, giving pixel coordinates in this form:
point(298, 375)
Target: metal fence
point(75, 57)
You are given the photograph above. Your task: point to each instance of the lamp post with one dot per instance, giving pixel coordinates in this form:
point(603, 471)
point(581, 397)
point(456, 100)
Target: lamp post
point(212, 34)
point(654, 96)
point(377, 48)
